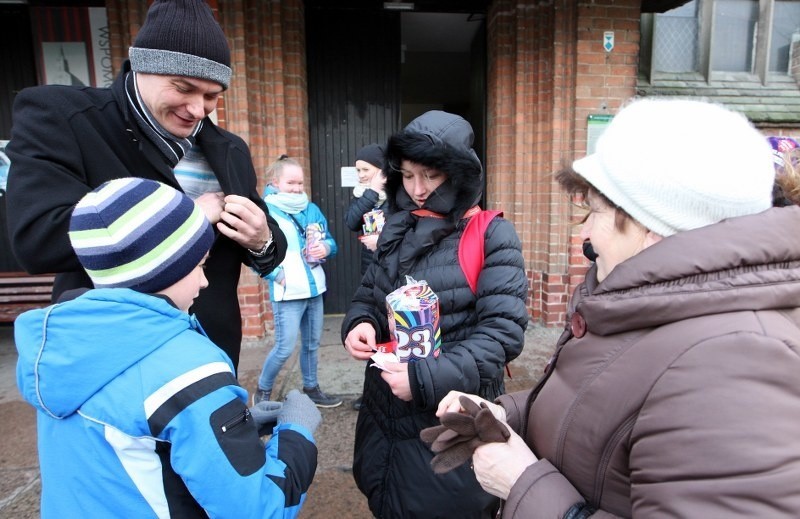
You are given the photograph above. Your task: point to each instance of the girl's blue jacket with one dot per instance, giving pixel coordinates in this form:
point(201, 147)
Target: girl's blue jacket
point(294, 278)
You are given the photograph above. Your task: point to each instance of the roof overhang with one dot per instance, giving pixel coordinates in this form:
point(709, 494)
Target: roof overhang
point(661, 6)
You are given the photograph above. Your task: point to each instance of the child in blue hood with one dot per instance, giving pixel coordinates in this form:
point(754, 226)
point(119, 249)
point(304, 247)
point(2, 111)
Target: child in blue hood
point(139, 414)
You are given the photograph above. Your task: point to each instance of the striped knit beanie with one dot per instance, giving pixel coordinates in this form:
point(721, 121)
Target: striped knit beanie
point(182, 38)
point(139, 234)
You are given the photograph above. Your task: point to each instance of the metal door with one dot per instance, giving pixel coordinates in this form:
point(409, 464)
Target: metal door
point(353, 59)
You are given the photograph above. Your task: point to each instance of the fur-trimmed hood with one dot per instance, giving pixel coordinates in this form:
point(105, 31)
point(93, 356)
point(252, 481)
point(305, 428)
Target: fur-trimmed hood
point(441, 141)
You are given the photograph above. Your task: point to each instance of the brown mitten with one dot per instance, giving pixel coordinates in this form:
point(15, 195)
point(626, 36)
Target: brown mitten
point(456, 439)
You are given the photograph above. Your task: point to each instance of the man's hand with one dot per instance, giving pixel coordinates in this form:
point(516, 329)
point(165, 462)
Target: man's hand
point(360, 341)
point(243, 222)
point(212, 205)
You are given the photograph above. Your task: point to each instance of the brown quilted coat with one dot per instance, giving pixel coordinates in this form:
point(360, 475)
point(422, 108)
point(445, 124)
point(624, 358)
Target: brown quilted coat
point(676, 389)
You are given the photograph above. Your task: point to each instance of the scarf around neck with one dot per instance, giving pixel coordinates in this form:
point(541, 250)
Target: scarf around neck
point(360, 189)
point(171, 147)
point(289, 203)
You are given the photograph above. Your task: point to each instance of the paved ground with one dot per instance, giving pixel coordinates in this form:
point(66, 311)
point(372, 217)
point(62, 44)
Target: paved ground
point(333, 493)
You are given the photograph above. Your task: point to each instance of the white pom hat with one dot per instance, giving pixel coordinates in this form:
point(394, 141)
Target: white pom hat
point(676, 164)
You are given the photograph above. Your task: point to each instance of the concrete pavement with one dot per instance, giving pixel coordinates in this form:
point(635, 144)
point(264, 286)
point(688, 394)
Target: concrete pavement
point(333, 493)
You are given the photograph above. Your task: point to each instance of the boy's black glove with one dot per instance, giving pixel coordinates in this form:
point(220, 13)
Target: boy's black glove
point(456, 439)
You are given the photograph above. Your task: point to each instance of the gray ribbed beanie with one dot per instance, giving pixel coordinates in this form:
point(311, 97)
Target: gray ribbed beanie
point(182, 38)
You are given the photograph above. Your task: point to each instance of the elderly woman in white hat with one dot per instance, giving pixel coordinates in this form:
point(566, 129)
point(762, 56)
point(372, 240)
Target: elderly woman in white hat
point(674, 389)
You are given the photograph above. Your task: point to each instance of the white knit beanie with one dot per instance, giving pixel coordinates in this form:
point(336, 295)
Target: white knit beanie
point(676, 165)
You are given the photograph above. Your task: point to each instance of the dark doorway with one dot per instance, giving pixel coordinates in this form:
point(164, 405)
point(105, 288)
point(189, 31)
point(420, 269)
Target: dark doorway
point(372, 69)
point(443, 59)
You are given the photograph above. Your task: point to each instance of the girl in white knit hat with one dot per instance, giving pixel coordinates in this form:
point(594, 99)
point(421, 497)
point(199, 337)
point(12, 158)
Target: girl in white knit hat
point(673, 391)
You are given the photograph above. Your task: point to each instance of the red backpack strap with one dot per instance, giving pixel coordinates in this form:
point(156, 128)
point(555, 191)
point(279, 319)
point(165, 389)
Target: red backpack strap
point(471, 247)
point(471, 250)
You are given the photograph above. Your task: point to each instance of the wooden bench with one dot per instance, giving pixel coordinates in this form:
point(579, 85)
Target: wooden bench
point(20, 291)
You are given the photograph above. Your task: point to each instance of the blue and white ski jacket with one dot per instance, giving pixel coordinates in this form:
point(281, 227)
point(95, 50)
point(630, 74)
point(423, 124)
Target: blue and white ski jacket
point(294, 278)
point(140, 415)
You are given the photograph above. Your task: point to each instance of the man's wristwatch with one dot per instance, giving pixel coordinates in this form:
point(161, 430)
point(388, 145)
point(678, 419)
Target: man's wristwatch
point(263, 251)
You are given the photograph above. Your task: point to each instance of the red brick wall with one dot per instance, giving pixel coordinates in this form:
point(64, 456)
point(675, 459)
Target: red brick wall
point(547, 73)
point(266, 106)
point(603, 81)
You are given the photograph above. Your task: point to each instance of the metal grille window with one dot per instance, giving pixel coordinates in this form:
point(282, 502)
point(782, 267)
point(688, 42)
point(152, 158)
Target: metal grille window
point(786, 29)
point(676, 44)
point(675, 39)
point(732, 35)
point(721, 36)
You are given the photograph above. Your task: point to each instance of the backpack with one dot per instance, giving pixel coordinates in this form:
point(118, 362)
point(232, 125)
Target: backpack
point(471, 247)
point(471, 253)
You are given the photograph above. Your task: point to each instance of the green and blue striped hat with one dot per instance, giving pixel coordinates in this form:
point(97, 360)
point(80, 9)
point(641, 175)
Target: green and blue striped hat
point(139, 234)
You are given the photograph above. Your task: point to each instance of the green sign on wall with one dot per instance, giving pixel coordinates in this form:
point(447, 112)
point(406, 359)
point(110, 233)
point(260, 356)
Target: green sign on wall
point(596, 124)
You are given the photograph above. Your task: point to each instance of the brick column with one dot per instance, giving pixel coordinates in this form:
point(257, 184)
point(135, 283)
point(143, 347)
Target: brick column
point(604, 81)
point(266, 106)
point(547, 72)
point(527, 96)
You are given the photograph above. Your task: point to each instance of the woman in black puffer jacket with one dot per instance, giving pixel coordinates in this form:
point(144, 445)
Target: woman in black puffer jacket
point(431, 165)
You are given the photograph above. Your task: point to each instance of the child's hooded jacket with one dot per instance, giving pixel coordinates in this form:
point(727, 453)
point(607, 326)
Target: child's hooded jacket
point(140, 415)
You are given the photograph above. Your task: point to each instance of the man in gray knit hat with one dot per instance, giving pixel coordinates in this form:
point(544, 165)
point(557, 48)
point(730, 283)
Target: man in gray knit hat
point(151, 123)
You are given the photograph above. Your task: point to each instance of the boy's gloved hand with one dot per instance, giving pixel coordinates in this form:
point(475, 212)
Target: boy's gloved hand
point(299, 409)
point(265, 416)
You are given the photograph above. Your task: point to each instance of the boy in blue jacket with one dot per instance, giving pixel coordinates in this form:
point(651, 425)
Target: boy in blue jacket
point(138, 412)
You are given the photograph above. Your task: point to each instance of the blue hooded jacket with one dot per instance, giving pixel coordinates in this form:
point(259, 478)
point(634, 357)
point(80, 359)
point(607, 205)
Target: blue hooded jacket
point(139, 414)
